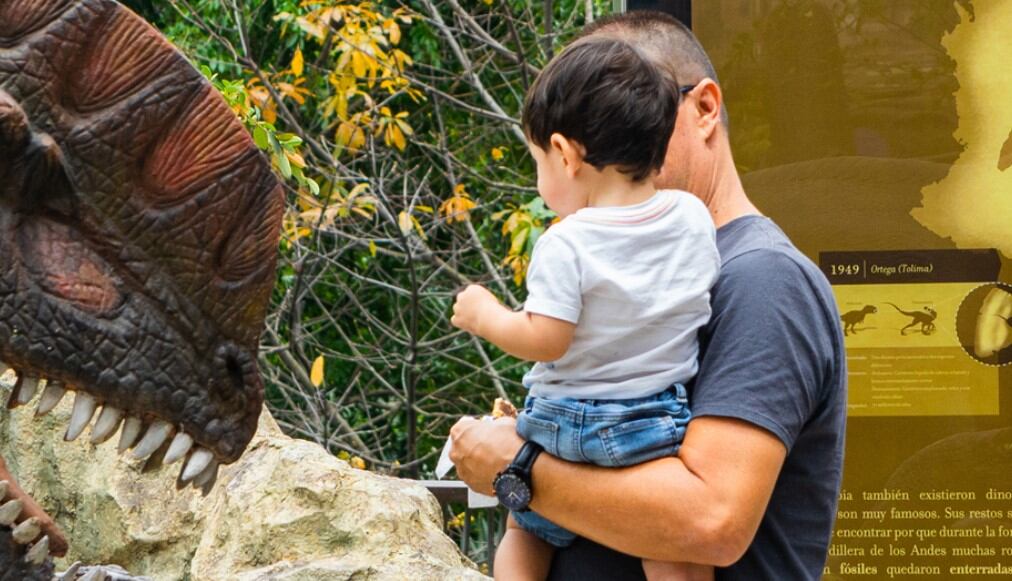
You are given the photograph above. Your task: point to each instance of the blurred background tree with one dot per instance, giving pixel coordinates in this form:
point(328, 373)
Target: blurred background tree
point(395, 124)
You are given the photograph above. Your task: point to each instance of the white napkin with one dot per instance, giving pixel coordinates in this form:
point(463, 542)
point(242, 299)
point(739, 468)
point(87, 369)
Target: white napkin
point(474, 499)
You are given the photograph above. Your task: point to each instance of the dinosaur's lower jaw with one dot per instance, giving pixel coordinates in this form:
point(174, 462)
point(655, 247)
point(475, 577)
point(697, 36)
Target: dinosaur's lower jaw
point(27, 534)
point(151, 439)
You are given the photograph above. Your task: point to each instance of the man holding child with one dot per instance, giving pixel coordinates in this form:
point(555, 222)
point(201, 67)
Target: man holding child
point(754, 485)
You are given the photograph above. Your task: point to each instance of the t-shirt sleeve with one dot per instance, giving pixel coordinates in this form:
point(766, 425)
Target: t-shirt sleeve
point(767, 348)
point(553, 280)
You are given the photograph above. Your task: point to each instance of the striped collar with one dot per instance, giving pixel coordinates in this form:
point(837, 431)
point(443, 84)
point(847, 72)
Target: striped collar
point(641, 213)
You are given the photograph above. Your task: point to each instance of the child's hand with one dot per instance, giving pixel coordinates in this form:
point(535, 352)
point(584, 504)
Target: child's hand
point(472, 306)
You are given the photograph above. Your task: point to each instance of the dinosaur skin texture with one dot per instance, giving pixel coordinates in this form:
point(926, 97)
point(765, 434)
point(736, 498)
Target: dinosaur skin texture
point(138, 232)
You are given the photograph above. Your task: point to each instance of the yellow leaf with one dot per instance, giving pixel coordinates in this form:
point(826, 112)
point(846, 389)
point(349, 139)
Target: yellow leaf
point(457, 208)
point(398, 137)
point(297, 63)
point(316, 375)
point(418, 228)
point(270, 114)
point(357, 462)
point(519, 239)
point(350, 136)
point(296, 159)
point(393, 30)
point(358, 63)
point(372, 248)
point(404, 222)
point(358, 190)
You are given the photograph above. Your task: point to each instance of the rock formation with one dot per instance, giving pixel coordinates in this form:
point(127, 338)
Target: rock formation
point(286, 509)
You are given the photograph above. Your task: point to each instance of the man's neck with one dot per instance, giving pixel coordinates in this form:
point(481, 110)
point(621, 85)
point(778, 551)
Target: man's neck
point(728, 201)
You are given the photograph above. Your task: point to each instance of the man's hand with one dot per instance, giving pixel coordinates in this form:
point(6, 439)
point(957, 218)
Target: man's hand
point(483, 449)
point(472, 307)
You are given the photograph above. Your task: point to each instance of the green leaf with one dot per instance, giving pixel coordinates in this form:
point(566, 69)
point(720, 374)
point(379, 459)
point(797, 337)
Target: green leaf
point(260, 138)
point(313, 186)
point(284, 165)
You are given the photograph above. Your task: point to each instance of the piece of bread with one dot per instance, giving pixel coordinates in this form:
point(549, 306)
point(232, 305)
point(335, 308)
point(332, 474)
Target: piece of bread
point(502, 408)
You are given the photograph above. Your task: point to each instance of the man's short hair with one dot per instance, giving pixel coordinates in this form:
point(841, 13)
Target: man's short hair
point(668, 43)
point(605, 94)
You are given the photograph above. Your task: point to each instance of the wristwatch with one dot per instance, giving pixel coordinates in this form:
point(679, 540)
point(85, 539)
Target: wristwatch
point(513, 485)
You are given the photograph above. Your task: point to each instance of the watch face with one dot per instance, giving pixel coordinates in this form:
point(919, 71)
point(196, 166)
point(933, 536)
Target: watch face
point(512, 492)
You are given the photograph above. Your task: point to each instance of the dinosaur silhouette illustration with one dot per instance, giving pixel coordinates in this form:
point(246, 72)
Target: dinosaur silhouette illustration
point(852, 318)
point(925, 318)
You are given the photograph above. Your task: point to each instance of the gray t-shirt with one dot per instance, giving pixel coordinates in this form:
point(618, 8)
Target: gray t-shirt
point(772, 355)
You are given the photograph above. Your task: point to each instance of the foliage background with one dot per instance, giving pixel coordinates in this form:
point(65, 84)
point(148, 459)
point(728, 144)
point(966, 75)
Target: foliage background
point(395, 126)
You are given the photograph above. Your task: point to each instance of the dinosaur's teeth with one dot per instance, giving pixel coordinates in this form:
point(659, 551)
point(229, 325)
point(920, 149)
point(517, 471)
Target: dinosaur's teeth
point(10, 511)
point(84, 409)
point(3, 489)
point(28, 389)
point(23, 392)
point(4, 368)
point(95, 574)
point(207, 478)
point(181, 444)
point(51, 396)
point(199, 460)
point(39, 551)
point(27, 531)
point(106, 424)
point(153, 439)
point(131, 430)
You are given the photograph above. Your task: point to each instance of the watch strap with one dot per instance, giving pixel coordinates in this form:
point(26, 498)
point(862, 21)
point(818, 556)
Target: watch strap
point(524, 460)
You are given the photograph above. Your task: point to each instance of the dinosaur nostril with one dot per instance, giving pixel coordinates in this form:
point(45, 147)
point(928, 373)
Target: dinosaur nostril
point(235, 373)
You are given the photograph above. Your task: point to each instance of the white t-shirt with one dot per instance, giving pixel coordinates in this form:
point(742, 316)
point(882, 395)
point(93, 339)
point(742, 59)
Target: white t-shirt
point(636, 281)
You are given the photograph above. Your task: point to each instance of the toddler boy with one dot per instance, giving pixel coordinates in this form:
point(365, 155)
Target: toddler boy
point(618, 289)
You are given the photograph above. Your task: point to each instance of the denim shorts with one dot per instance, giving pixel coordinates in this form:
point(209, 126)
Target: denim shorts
point(603, 432)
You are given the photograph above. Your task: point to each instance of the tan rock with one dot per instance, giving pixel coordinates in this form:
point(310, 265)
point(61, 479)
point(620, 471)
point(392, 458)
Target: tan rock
point(286, 510)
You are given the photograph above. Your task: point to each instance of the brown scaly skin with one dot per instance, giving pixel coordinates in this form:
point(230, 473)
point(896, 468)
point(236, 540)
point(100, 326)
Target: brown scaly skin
point(138, 222)
point(138, 227)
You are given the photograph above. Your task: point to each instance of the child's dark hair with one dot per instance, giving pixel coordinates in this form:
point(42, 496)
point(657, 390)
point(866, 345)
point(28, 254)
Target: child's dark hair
point(602, 93)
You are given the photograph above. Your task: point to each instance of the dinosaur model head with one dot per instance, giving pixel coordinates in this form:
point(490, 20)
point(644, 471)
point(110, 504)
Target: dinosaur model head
point(138, 234)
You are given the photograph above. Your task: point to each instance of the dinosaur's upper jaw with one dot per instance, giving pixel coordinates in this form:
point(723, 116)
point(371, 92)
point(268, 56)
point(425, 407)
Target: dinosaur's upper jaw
point(84, 306)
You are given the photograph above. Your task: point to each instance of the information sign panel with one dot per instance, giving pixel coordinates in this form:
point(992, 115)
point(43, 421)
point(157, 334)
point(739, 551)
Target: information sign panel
point(878, 135)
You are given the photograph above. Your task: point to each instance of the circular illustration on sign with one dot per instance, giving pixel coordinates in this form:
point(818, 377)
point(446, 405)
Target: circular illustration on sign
point(984, 324)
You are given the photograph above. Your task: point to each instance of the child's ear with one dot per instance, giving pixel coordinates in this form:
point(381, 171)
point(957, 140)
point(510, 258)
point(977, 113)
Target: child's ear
point(572, 153)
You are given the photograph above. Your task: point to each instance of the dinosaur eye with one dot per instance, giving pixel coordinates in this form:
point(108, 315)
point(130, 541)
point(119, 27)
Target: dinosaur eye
point(64, 266)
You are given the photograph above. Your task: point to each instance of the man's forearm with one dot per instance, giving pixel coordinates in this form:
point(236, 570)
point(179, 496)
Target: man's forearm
point(631, 509)
point(702, 507)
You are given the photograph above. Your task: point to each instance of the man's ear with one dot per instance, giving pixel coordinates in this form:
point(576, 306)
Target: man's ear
point(572, 152)
point(708, 100)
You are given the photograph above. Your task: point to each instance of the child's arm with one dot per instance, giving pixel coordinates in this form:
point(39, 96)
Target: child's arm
point(523, 335)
